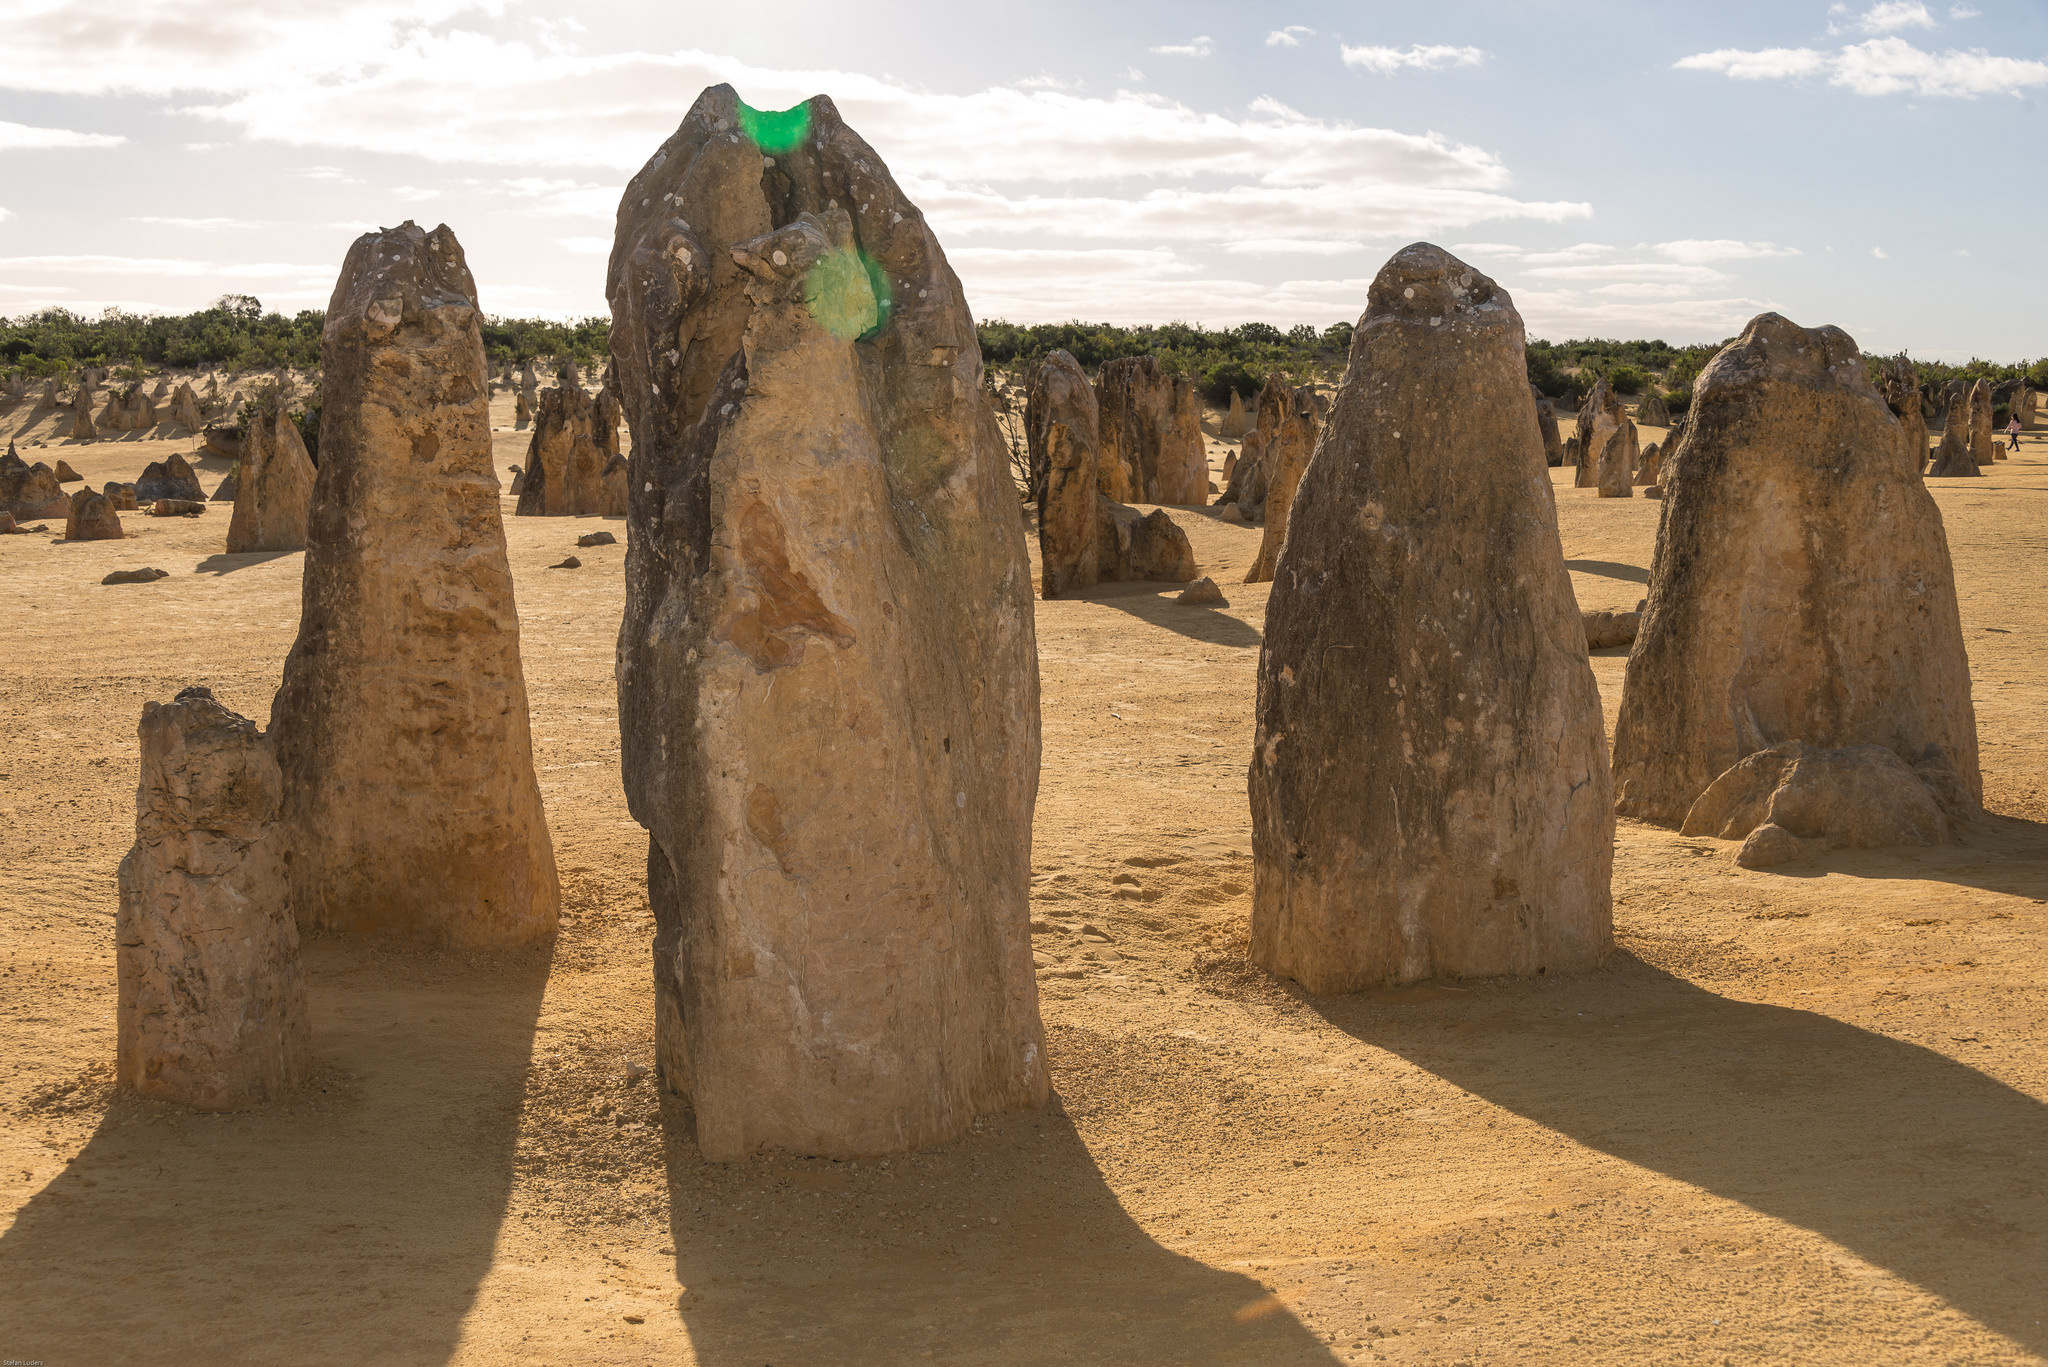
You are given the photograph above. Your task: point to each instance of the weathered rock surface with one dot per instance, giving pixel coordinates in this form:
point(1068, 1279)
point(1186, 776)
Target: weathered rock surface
point(1795, 799)
point(1952, 458)
point(185, 409)
point(67, 475)
point(129, 411)
point(407, 663)
point(1901, 390)
point(1605, 630)
point(1202, 593)
point(121, 496)
point(1150, 435)
point(522, 409)
point(146, 575)
point(1236, 422)
point(1985, 446)
point(1801, 588)
point(1546, 427)
point(29, 491)
point(225, 491)
point(618, 485)
point(212, 1006)
point(274, 488)
point(82, 425)
point(565, 460)
point(1649, 465)
point(171, 478)
point(1607, 444)
point(1061, 431)
point(91, 517)
point(828, 694)
point(177, 507)
point(1652, 411)
point(597, 539)
point(1429, 785)
point(224, 442)
point(1246, 487)
point(2025, 405)
point(1131, 545)
point(1288, 421)
point(518, 480)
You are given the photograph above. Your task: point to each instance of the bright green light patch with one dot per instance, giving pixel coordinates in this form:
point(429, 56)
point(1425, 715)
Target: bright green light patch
point(776, 131)
point(840, 294)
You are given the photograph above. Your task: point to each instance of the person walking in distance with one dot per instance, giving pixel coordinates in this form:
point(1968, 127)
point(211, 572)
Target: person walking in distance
point(2012, 435)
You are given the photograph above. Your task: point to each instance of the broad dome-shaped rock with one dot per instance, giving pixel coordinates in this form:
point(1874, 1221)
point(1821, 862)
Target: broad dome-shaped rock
point(1429, 782)
point(1801, 588)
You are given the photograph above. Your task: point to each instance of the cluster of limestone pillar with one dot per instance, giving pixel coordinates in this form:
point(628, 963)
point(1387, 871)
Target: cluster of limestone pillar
point(827, 670)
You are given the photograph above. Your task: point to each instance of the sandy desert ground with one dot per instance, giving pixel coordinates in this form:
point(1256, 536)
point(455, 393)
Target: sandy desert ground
point(1800, 1116)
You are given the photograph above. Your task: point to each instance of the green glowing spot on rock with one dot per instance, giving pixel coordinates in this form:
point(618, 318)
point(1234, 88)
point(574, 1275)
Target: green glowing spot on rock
point(776, 131)
point(840, 292)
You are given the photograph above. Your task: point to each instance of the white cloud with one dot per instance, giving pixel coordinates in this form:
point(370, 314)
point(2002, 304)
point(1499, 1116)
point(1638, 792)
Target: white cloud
point(1240, 213)
point(166, 266)
point(16, 137)
point(1770, 64)
point(1881, 66)
point(1132, 73)
point(1659, 271)
point(414, 193)
point(1194, 47)
point(1880, 253)
point(1697, 250)
point(585, 246)
point(219, 45)
point(1887, 17)
point(1963, 12)
point(1292, 246)
point(1387, 60)
point(1584, 251)
point(1290, 36)
point(206, 225)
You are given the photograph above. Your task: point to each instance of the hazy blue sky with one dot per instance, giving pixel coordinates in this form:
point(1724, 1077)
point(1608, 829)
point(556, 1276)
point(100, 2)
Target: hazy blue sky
point(1625, 169)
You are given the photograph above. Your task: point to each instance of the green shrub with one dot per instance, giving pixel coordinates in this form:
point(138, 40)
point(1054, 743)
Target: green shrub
point(1626, 379)
point(1220, 381)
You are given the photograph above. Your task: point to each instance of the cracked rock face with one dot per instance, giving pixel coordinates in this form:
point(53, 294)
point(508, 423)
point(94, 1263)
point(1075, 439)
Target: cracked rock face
point(91, 517)
point(401, 724)
point(212, 1006)
point(1151, 435)
point(1288, 419)
point(828, 687)
point(1429, 783)
point(30, 491)
point(565, 460)
point(1061, 426)
point(1801, 588)
point(273, 485)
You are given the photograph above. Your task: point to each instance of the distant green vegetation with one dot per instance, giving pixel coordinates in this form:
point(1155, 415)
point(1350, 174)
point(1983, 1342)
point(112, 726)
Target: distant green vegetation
point(235, 333)
point(1219, 362)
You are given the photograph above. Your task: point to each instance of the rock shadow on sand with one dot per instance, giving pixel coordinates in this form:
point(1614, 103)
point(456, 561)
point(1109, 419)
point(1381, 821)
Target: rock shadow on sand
point(1008, 1247)
point(350, 1223)
point(1153, 604)
point(227, 562)
point(1609, 569)
point(1909, 1159)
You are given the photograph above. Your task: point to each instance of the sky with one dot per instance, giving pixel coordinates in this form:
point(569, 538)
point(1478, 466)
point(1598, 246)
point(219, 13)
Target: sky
point(1625, 168)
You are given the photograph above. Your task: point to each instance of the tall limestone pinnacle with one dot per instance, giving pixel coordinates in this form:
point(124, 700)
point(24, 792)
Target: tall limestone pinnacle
point(828, 685)
point(401, 726)
point(1429, 785)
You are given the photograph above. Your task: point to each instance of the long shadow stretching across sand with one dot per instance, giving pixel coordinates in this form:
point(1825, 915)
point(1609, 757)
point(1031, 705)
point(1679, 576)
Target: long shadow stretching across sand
point(1909, 1159)
point(351, 1224)
point(1153, 603)
point(814, 1266)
